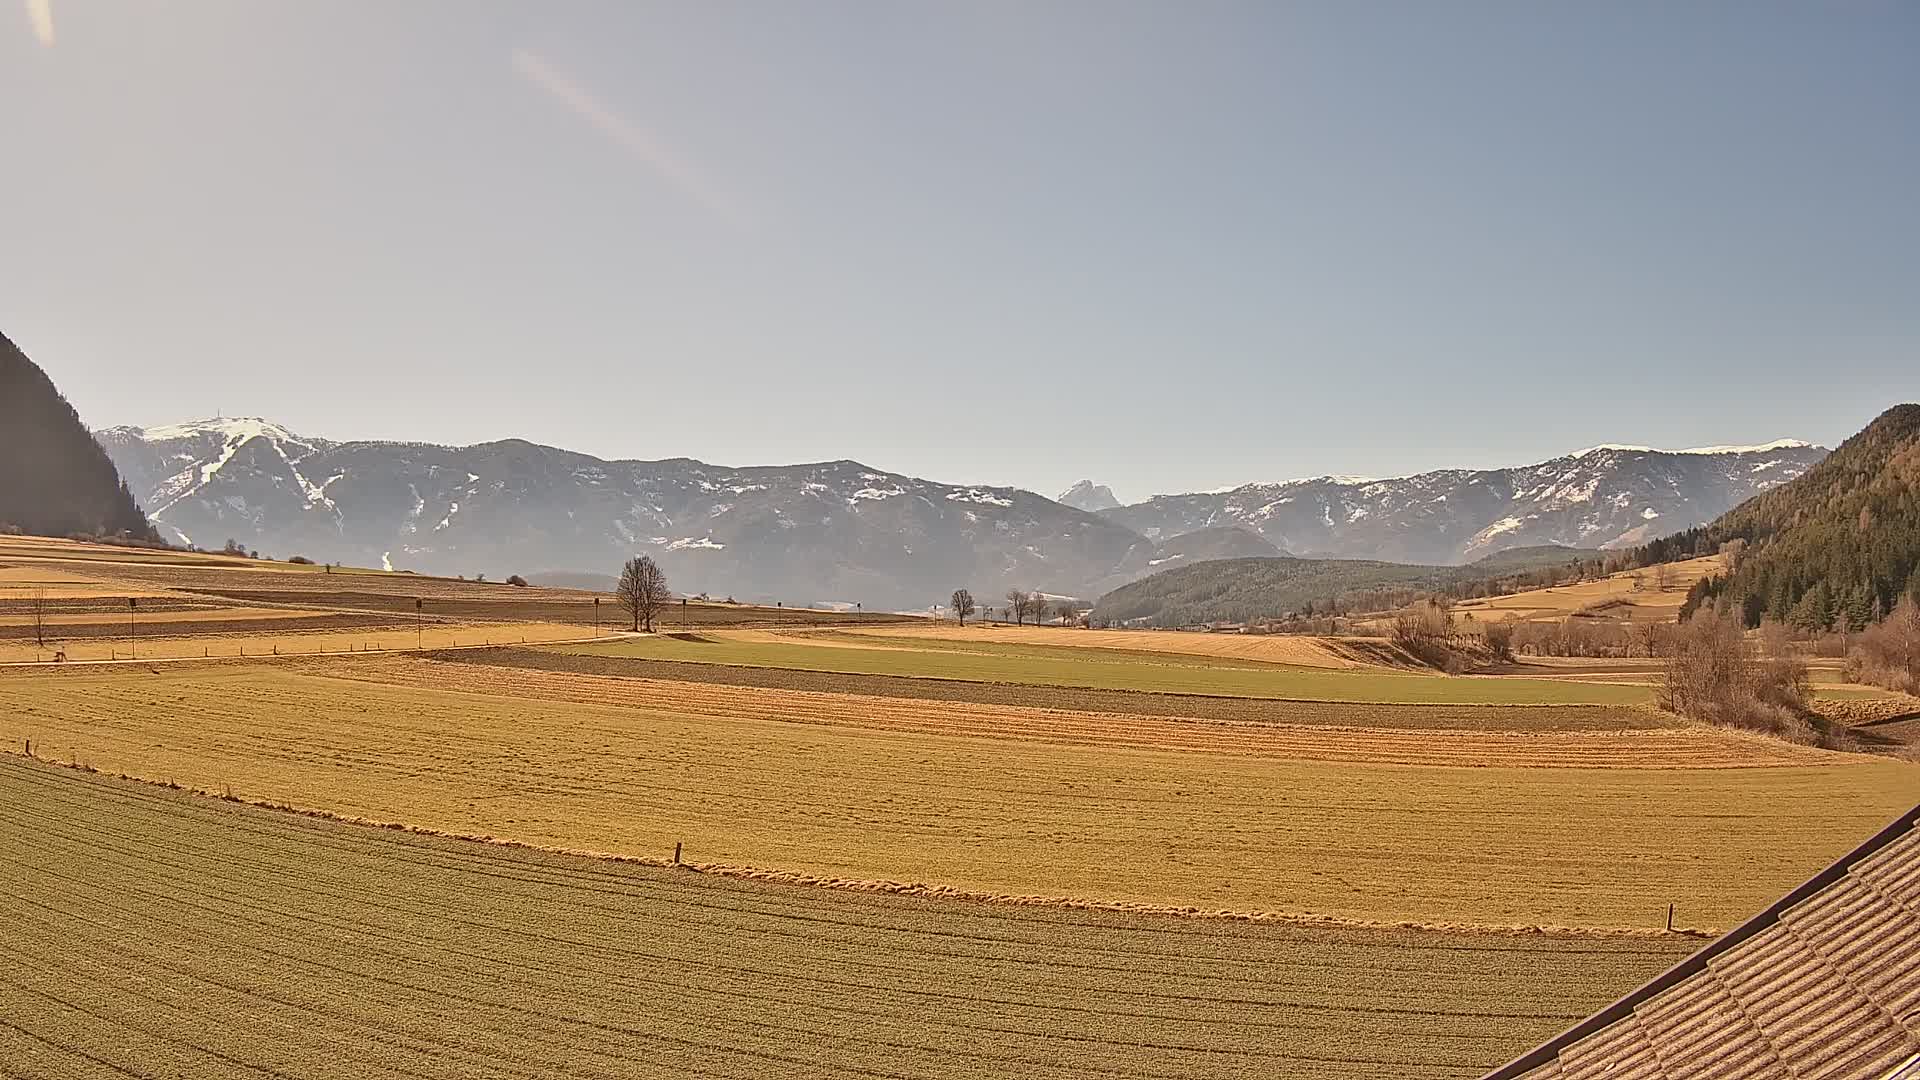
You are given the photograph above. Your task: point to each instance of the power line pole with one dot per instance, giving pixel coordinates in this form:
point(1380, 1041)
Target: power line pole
point(419, 625)
point(131, 604)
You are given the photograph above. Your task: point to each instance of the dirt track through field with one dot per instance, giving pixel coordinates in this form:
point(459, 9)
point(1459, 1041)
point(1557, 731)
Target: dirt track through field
point(157, 933)
point(741, 785)
point(1088, 699)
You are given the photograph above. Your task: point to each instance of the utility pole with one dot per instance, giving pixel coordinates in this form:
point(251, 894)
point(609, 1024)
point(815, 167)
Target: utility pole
point(419, 625)
point(596, 616)
point(131, 604)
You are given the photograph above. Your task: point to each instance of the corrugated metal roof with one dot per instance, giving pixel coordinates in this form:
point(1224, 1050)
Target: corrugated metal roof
point(1824, 983)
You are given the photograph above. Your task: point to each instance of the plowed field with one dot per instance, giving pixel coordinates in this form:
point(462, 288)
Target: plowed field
point(148, 932)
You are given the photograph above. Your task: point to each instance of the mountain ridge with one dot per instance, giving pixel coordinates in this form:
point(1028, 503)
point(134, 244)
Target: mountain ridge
point(836, 531)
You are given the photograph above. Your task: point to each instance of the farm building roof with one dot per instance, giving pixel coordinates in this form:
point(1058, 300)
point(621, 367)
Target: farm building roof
point(1825, 982)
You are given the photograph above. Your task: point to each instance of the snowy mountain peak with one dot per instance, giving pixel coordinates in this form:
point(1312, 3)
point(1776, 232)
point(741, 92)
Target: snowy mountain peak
point(229, 428)
point(1089, 496)
point(1604, 496)
point(1758, 448)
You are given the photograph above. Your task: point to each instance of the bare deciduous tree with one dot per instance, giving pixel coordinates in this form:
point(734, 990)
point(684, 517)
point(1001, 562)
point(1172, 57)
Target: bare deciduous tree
point(1018, 605)
point(1889, 654)
point(963, 605)
point(1499, 637)
point(642, 591)
point(1713, 674)
point(1038, 607)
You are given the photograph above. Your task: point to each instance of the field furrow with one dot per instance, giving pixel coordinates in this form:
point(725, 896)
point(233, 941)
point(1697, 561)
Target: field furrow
point(157, 933)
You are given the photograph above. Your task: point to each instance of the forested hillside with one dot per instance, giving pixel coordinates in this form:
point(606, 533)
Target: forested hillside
point(54, 479)
point(1837, 546)
point(1245, 590)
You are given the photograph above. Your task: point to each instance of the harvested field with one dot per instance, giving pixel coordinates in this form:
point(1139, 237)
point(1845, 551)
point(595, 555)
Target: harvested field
point(160, 933)
point(203, 622)
point(559, 605)
point(1183, 828)
point(330, 633)
point(1138, 703)
point(117, 571)
point(1615, 597)
point(1268, 648)
point(1064, 666)
point(1675, 747)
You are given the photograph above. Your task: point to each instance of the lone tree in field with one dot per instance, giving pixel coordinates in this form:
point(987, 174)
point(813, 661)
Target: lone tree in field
point(1017, 605)
point(642, 591)
point(963, 605)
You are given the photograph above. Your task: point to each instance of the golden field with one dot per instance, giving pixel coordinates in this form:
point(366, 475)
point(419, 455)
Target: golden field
point(983, 801)
point(910, 850)
point(1631, 596)
point(159, 933)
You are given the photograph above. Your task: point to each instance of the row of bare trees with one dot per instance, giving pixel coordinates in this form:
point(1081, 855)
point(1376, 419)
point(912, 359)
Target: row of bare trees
point(1022, 606)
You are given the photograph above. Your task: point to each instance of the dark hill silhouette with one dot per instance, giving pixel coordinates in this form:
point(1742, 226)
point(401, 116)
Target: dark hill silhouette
point(55, 480)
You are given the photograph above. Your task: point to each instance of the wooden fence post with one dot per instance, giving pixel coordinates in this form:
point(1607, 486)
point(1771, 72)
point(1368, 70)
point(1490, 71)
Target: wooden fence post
point(1669, 918)
point(676, 853)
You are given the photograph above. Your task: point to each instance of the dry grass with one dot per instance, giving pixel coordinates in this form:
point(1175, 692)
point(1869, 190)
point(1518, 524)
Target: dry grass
point(155, 932)
point(1613, 598)
point(1059, 817)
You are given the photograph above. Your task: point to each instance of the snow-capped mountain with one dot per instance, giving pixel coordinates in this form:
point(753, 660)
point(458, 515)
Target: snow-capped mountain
point(1089, 496)
point(832, 531)
point(841, 531)
point(1604, 496)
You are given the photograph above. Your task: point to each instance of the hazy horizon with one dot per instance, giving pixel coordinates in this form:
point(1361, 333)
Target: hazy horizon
point(1166, 249)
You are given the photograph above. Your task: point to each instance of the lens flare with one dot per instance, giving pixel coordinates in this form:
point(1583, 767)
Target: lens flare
point(40, 14)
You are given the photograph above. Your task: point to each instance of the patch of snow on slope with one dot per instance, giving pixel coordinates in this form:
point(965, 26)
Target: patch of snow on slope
point(1170, 558)
point(1485, 536)
point(704, 543)
point(975, 495)
point(876, 493)
point(386, 561)
point(412, 523)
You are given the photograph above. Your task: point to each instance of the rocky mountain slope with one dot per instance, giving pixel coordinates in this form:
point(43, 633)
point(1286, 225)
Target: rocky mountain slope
point(1089, 496)
point(828, 532)
point(54, 481)
point(1608, 496)
point(844, 532)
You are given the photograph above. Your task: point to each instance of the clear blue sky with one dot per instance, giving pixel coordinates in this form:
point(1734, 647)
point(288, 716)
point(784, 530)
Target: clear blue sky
point(1168, 246)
